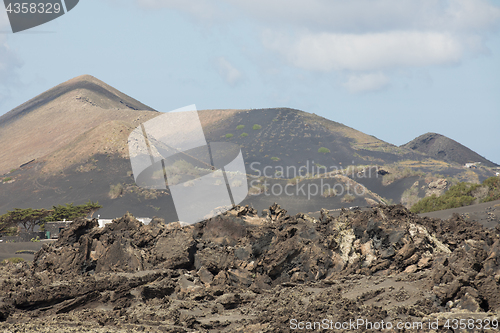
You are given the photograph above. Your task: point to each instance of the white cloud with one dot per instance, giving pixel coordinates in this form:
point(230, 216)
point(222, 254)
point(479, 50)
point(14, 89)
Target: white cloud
point(228, 71)
point(358, 35)
point(361, 52)
point(366, 82)
point(9, 61)
point(347, 16)
point(374, 15)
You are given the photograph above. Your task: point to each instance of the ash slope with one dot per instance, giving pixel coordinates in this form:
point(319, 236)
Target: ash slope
point(55, 118)
point(109, 98)
point(443, 148)
point(242, 273)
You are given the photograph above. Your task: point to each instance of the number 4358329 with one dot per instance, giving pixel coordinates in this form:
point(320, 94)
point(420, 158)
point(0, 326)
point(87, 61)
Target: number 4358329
point(485, 324)
point(33, 8)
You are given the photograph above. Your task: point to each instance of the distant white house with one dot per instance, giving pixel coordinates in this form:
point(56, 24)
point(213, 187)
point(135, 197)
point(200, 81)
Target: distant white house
point(144, 220)
point(472, 165)
point(103, 222)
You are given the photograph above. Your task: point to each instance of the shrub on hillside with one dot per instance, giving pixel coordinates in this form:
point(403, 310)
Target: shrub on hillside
point(348, 198)
point(399, 173)
point(329, 193)
point(243, 135)
point(410, 197)
point(457, 196)
point(229, 135)
point(493, 184)
point(240, 127)
point(323, 150)
point(115, 191)
point(256, 127)
point(294, 181)
point(15, 260)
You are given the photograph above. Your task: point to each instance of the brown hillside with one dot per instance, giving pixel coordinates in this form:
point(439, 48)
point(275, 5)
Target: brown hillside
point(55, 118)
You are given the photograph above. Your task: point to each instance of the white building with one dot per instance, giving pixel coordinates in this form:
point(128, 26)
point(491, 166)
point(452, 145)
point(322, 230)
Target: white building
point(103, 222)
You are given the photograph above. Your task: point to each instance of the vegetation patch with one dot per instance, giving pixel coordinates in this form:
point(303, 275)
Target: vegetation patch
point(229, 135)
point(6, 179)
point(240, 127)
point(493, 184)
point(396, 173)
point(323, 150)
point(256, 127)
point(330, 193)
point(457, 196)
point(348, 198)
point(461, 194)
point(276, 159)
point(115, 191)
point(243, 135)
point(70, 212)
point(410, 197)
point(294, 181)
point(14, 260)
point(25, 252)
point(257, 189)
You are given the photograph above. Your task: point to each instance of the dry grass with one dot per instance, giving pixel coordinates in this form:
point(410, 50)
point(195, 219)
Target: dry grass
point(115, 191)
point(348, 198)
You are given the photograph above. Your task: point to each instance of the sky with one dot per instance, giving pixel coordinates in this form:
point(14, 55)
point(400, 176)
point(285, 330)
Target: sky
point(394, 69)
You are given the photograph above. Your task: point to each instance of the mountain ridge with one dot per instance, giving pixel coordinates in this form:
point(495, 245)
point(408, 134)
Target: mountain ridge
point(446, 149)
point(76, 141)
point(56, 117)
point(85, 81)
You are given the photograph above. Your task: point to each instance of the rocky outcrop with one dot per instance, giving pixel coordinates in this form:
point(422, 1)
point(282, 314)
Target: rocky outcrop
point(240, 262)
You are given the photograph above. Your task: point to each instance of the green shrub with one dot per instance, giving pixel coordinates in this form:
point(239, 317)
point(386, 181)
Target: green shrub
point(25, 252)
point(256, 127)
point(329, 193)
point(388, 202)
point(15, 260)
point(115, 191)
point(294, 181)
point(229, 135)
point(276, 159)
point(243, 135)
point(457, 196)
point(348, 198)
point(410, 197)
point(11, 171)
point(7, 179)
point(240, 127)
point(323, 150)
point(400, 173)
point(493, 184)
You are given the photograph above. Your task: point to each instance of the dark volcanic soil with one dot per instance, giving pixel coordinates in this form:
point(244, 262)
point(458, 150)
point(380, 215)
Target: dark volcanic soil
point(239, 272)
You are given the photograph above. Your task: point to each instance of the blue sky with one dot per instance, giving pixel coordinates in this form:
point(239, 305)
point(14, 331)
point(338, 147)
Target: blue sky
point(391, 68)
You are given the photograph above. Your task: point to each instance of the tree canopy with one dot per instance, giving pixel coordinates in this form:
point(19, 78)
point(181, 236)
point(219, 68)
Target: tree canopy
point(28, 218)
point(70, 212)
